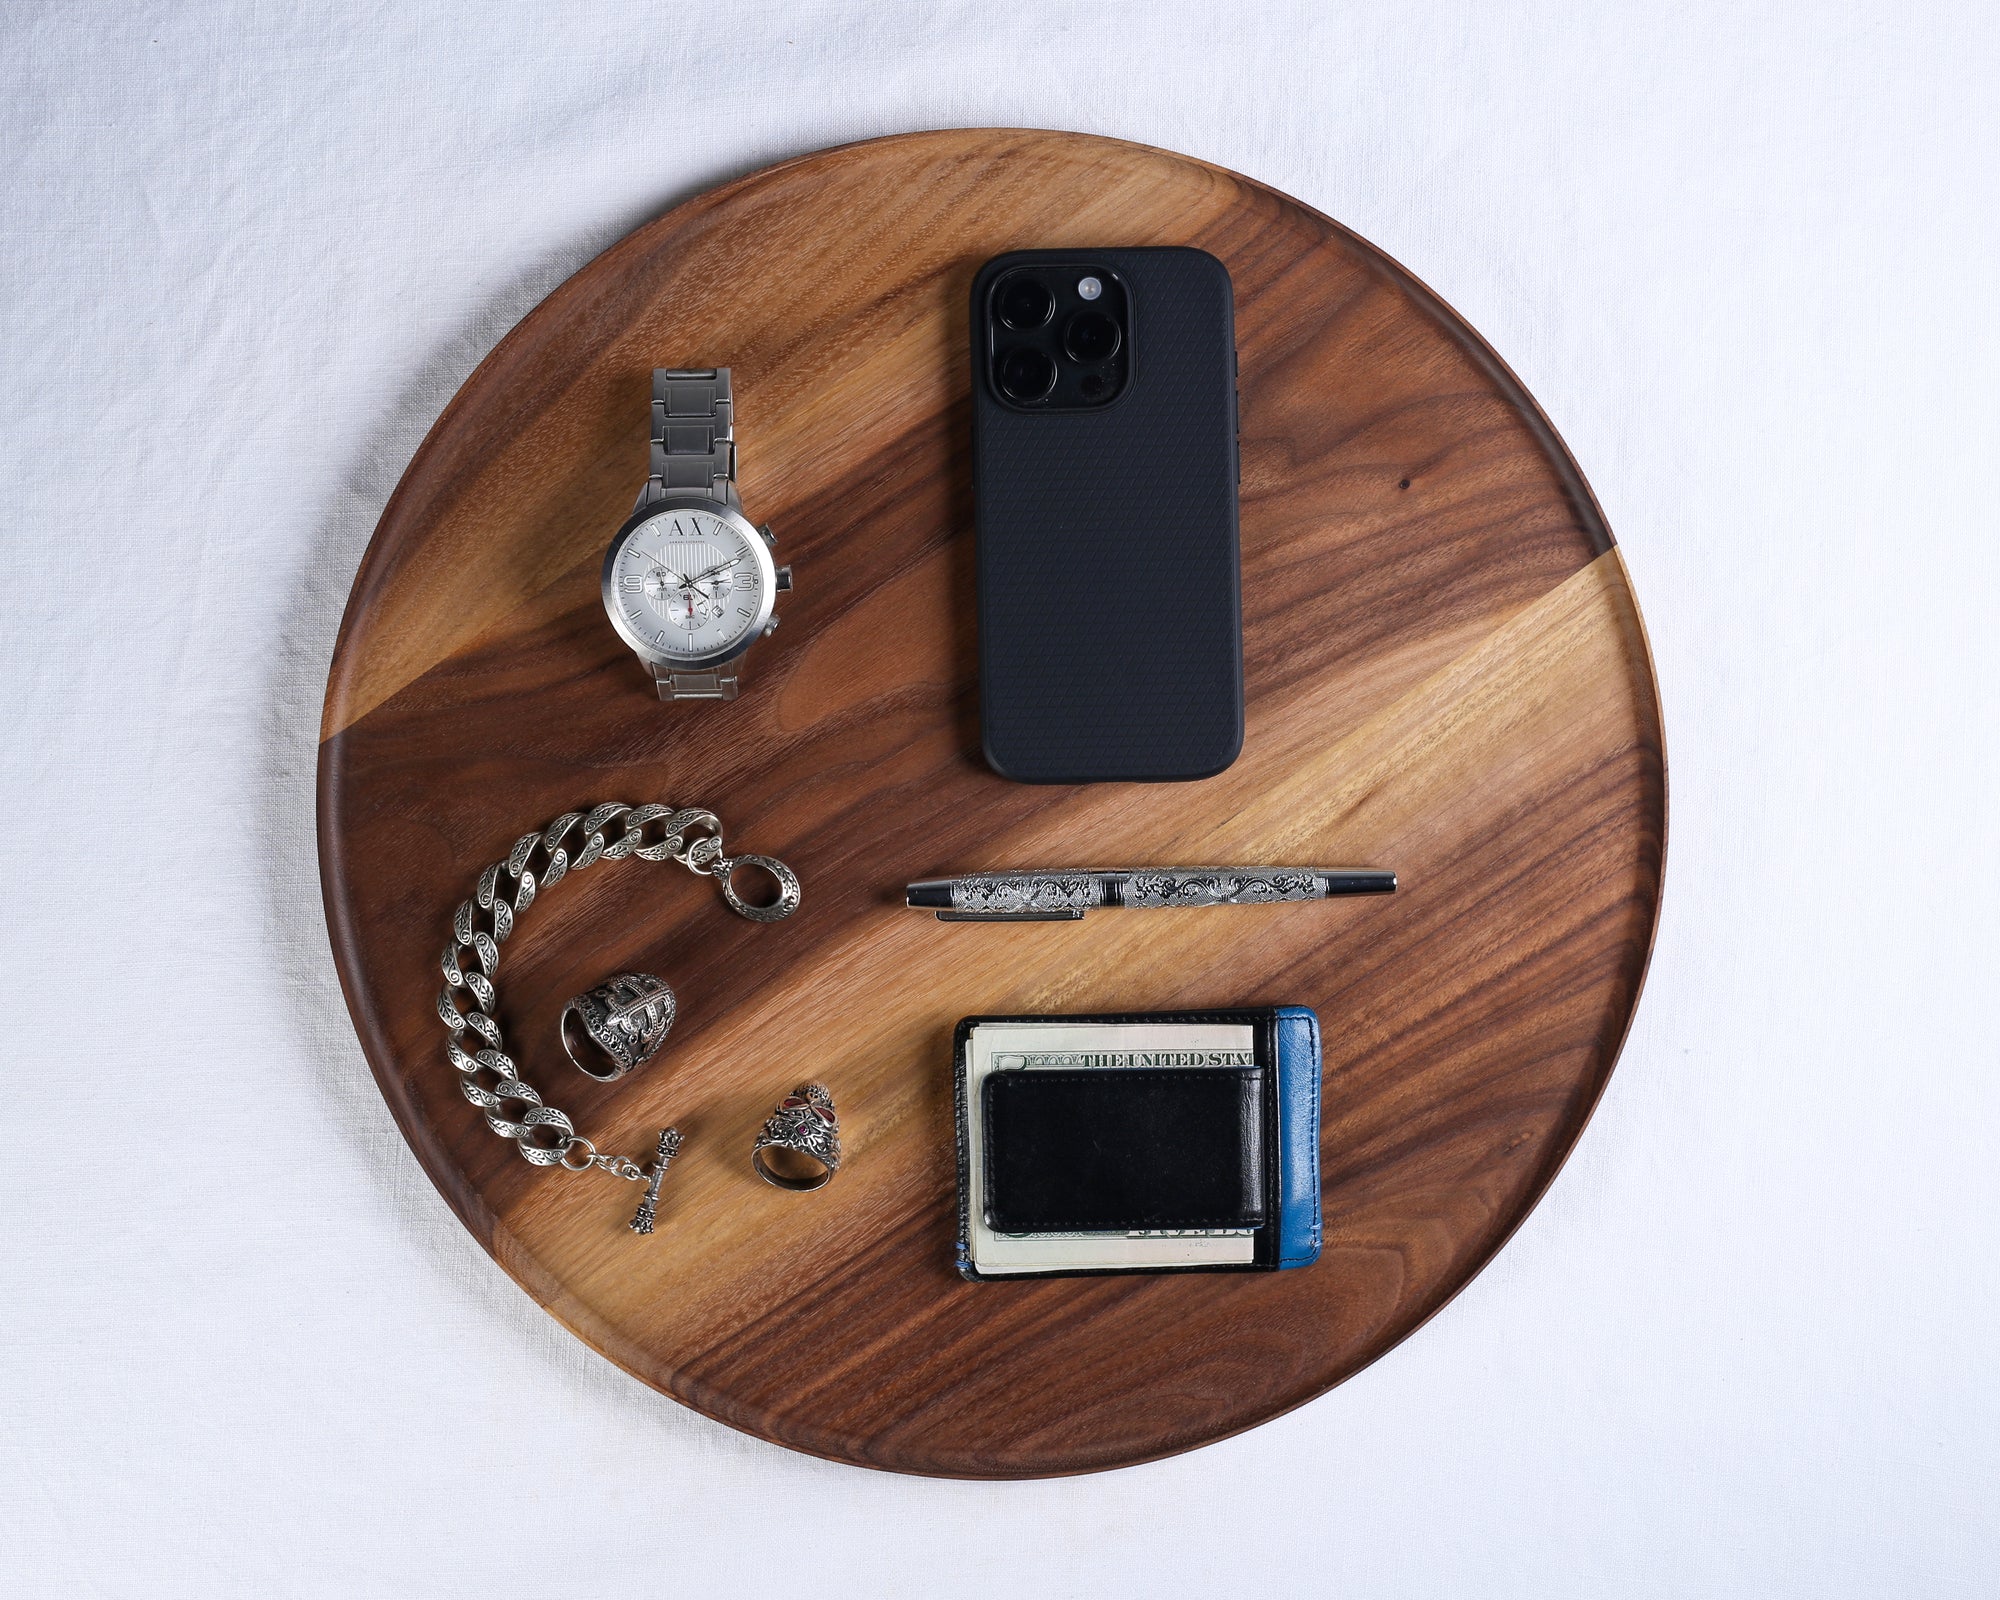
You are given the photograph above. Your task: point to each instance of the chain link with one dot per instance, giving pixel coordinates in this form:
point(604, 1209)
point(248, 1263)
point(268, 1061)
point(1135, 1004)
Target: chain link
point(488, 1076)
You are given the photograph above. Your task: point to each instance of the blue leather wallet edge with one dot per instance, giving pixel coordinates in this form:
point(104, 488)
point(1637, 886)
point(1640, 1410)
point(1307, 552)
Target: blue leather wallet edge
point(1298, 1052)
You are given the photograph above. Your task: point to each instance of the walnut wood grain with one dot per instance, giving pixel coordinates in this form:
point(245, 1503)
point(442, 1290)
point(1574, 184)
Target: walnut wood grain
point(1446, 674)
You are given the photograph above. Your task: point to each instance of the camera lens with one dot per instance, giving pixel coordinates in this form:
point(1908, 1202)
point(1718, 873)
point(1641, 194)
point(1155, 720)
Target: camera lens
point(1091, 336)
point(1024, 374)
point(1025, 303)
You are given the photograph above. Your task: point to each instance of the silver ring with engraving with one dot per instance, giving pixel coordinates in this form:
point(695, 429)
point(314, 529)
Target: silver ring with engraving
point(618, 1026)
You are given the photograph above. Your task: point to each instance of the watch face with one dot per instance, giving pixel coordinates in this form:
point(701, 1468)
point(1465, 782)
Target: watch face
point(689, 583)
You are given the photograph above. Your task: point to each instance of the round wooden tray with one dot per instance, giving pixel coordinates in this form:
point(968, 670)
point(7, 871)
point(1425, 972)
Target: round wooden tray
point(1446, 674)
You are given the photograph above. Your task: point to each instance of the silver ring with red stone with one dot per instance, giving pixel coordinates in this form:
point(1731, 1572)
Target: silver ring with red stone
point(799, 1147)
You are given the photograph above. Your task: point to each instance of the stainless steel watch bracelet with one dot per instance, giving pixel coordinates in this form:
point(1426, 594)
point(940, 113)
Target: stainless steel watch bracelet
point(694, 448)
point(694, 438)
point(676, 683)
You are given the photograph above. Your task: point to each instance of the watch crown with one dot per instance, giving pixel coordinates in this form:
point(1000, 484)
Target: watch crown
point(784, 579)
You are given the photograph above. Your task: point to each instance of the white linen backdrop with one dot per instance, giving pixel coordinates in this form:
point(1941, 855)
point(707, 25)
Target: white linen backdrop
point(1745, 256)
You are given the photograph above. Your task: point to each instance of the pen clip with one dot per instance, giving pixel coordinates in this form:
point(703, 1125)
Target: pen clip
point(1010, 916)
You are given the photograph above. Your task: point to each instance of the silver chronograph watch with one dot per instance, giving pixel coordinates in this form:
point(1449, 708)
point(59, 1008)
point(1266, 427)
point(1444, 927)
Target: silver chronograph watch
point(689, 583)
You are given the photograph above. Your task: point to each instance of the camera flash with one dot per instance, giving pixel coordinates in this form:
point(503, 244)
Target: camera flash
point(1089, 288)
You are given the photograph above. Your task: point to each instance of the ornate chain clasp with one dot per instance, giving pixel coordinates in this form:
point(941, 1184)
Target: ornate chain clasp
point(704, 854)
point(670, 1144)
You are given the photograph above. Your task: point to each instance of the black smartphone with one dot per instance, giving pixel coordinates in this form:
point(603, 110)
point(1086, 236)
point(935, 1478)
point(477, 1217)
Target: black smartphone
point(1104, 475)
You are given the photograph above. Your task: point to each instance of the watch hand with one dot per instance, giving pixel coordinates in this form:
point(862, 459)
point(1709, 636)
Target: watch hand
point(712, 571)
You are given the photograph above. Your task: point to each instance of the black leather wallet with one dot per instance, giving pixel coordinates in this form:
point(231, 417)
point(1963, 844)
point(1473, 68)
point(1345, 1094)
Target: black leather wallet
point(1160, 1142)
point(1138, 1147)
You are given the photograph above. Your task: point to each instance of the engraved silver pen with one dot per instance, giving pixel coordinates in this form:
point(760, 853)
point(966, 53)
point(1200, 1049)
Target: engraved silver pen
point(1064, 895)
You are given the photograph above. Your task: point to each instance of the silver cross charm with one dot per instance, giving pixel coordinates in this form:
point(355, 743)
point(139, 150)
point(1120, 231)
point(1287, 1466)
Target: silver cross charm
point(670, 1143)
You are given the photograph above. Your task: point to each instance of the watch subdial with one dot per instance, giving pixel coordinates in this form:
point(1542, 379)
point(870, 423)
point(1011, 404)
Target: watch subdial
point(681, 607)
point(711, 595)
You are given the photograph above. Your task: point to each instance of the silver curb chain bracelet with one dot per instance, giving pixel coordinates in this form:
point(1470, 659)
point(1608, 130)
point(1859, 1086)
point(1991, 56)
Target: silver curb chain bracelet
point(487, 1075)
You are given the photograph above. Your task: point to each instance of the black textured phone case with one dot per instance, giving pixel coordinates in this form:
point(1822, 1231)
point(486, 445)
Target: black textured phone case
point(1110, 606)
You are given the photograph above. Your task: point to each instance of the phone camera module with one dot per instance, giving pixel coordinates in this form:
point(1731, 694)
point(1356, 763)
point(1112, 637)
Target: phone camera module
point(1024, 374)
point(1056, 335)
point(1024, 303)
point(1091, 336)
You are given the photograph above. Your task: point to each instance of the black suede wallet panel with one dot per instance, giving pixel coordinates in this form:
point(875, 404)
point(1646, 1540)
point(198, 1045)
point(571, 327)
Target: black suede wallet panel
point(1108, 1150)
